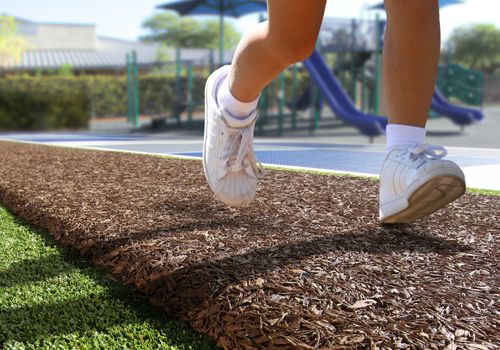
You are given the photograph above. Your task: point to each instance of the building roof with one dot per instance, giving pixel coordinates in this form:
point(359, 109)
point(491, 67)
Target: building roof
point(50, 45)
point(109, 53)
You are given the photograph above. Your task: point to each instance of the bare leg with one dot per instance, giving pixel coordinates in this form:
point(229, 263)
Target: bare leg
point(414, 181)
point(287, 37)
point(229, 160)
point(410, 58)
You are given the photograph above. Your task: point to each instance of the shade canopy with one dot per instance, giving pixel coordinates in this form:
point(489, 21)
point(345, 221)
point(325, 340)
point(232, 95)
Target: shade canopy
point(442, 3)
point(221, 8)
point(230, 8)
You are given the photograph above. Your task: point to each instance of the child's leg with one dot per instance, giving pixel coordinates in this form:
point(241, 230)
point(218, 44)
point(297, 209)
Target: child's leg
point(415, 181)
point(411, 53)
point(231, 94)
point(288, 36)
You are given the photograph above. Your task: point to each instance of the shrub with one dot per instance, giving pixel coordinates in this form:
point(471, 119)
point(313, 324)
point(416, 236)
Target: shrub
point(27, 107)
point(67, 102)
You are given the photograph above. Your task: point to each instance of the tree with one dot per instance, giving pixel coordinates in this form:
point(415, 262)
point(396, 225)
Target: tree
point(11, 43)
point(476, 46)
point(172, 30)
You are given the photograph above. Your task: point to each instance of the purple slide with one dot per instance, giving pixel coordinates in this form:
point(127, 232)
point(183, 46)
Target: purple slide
point(339, 101)
point(459, 115)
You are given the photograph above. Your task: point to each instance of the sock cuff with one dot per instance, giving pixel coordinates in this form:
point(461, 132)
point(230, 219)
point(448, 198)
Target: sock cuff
point(399, 134)
point(231, 104)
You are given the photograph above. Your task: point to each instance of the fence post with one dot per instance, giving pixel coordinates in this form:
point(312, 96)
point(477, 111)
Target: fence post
point(129, 89)
point(378, 48)
point(314, 108)
point(353, 58)
point(190, 94)
point(294, 96)
point(135, 88)
point(363, 89)
point(263, 106)
point(281, 102)
point(178, 86)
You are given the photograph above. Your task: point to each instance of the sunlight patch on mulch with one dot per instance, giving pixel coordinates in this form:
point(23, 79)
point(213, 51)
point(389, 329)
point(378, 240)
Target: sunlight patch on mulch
point(307, 265)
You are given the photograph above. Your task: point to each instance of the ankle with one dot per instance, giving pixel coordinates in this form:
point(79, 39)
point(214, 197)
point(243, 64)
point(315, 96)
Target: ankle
point(229, 103)
point(399, 134)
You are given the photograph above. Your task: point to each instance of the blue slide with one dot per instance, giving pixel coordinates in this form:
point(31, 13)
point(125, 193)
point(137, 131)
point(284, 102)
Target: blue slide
point(459, 115)
point(339, 101)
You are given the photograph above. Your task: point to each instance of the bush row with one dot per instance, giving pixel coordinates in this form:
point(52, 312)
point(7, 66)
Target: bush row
point(41, 103)
point(22, 108)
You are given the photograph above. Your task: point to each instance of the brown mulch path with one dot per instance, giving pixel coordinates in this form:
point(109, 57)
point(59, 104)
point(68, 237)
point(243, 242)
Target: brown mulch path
point(306, 266)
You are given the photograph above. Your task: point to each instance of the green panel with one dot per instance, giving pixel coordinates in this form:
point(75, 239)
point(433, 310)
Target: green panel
point(458, 82)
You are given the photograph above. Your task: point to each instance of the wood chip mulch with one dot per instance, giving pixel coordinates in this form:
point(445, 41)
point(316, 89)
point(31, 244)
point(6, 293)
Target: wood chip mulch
point(307, 266)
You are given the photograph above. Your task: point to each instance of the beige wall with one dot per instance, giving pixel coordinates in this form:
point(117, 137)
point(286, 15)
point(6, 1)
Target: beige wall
point(55, 36)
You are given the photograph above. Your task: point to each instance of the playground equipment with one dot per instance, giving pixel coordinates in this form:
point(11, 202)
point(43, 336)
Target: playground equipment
point(183, 102)
point(464, 84)
point(171, 92)
point(459, 115)
point(346, 75)
point(132, 89)
point(353, 44)
point(369, 124)
point(461, 83)
point(186, 71)
point(454, 80)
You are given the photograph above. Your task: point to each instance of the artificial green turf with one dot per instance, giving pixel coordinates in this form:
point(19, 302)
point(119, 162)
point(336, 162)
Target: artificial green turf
point(51, 299)
point(482, 191)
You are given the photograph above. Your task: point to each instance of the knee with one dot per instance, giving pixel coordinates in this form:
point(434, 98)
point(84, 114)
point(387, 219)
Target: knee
point(296, 52)
point(291, 49)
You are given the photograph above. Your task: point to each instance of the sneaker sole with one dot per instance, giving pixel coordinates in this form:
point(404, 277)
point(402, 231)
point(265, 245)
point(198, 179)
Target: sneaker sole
point(428, 198)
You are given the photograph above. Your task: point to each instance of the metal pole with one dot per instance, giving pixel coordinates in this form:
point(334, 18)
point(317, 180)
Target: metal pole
point(294, 96)
point(129, 89)
point(190, 94)
point(353, 58)
point(135, 88)
point(363, 89)
point(314, 108)
point(177, 63)
point(263, 109)
point(177, 96)
point(281, 102)
point(377, 62)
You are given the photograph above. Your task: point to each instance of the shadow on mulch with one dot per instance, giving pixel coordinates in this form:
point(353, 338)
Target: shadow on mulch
point(307, 265)
point(280, 256)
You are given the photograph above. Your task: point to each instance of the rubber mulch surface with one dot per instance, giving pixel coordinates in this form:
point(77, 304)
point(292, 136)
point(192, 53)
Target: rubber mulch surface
point(306, 266)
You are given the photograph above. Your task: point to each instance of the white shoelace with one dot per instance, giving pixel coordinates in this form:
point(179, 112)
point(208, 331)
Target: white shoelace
point(428, 151)
point(240, 154)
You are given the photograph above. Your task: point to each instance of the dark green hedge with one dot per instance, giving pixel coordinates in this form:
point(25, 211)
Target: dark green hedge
point(42, 103)
point(39, 103)
point(27, 107)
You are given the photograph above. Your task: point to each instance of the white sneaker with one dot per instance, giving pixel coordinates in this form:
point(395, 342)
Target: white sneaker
point(229, 160)
point(415, 181)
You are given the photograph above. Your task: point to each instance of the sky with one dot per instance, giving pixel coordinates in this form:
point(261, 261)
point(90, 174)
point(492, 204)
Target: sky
point(123, 18)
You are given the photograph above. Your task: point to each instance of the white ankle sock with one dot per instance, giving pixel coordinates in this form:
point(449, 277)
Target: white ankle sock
point(398, 134)
point(233, 106)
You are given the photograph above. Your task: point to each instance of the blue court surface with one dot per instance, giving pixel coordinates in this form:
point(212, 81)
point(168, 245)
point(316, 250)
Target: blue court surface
point(480, 165)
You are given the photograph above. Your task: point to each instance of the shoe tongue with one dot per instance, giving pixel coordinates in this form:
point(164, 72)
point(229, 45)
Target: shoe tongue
point(239, 123)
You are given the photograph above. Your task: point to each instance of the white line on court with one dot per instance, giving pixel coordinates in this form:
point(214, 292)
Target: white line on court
point(480, 176)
